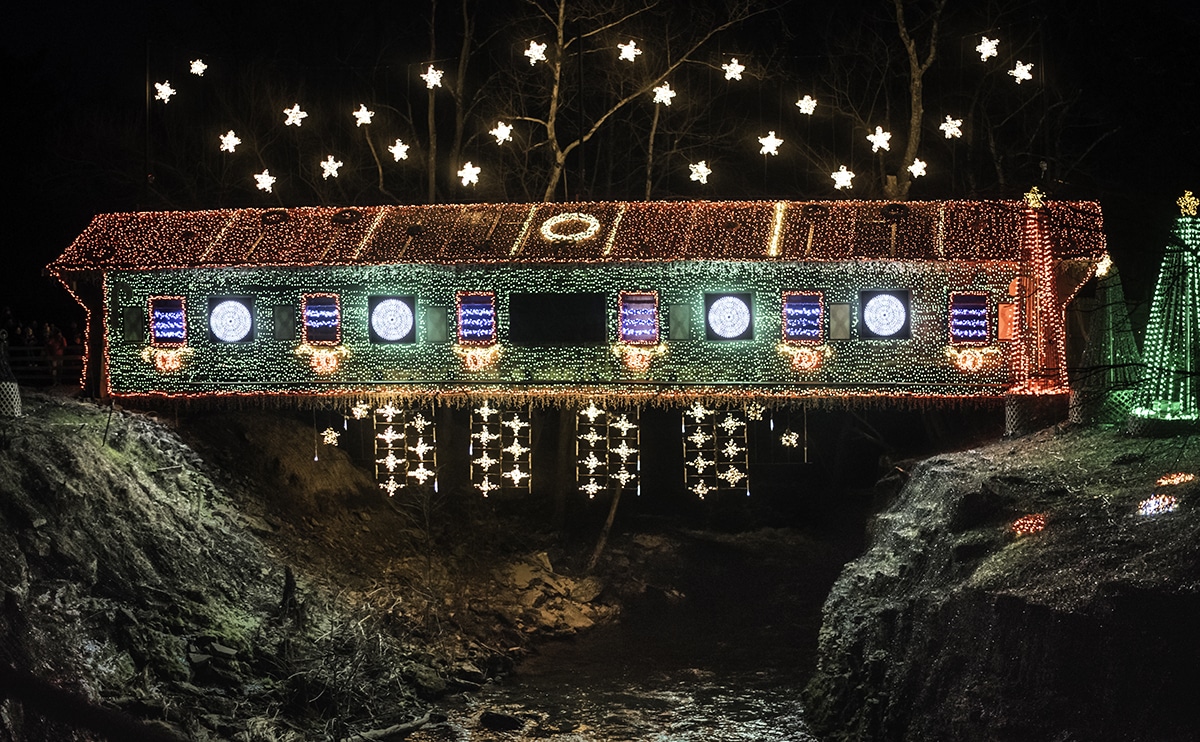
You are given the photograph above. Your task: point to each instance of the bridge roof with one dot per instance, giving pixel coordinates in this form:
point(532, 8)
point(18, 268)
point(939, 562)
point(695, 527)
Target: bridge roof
point(563, 233)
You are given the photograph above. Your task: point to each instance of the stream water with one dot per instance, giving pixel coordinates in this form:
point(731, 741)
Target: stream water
point(727, 662)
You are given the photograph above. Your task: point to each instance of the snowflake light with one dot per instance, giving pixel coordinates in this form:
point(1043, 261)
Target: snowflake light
point(917, 168)
point(515, 425)
point(295, 117)
point(485, 436)
point(623, 424)
point(419, 423)
point(1187, 204)
point(591, 412)
point(399, 150)
point(698, 412)
point(163, 91)
point(389, 435)
point(362, 115)
point(700, 171)
point(390, 486)
point(592, 437)
point(421, 448)
point(1158, 505)
point(629, 52)
point(624, 476)
point(486, 486)
point(390, 462)
point(591, 488)
point(807, 105)
point(516, 475)
point(880, 139)
point(485, 411)
point(700, 489)
point(485, 461)
point(730, 424)
point(432, 77)
point(732, 475)
point(591, 463)
point(987, 48)
point(843, 178)
point(229, 141)
point(421, 473)
point(790, 439)
point(1029, 524)
point(516, 449)
point(469, 174)
point(732, 449)
point(329, 167)
point(663, 94)
point(952, 128)
point(264, 181)
point(536, 53)
point(770, 144)
point(502, 132)
point(733, 70)
point(329, 436)
point(197, 67)
point(1021, 72)
point(699, 437)
point(388, 411)
point(360, 410)
point(700, 463)
point(754, 411)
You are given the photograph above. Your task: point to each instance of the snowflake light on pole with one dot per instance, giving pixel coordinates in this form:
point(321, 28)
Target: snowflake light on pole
point(700, 171)
point(733, 70)
point(770, 144)
point(880, 139)
point(663, 94)
point(629, 52)
point(295, 117)
point(362, 115)
point(536, 53)
point(917, 168)
point(329, 436)
point(502, 132)
point(807, 105)
point(987, 48)
point(432, 77)
point(952, 128)
point(197, 67)
point(469, 174)
point(229, 141)
point(164, 91)
point(399, 150)
point(1021, 72)
point(843, 178)
point(264, 181)
point(329, 167)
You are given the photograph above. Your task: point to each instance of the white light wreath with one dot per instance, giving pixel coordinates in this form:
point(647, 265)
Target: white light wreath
point(549, 226)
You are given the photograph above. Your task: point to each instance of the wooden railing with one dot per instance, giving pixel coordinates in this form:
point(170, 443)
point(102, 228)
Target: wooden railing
point(33, 365)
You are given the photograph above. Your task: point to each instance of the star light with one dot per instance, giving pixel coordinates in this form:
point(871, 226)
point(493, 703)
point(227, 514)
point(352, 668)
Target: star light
point(700, 489)
point(629, 52)
point(591, 488)
point(1187, 204)
point(502, 132)
point(295, 117)
point(754, 411)
point(700, 463)
point(880, 139)
point(917, 168)
point(164, 91)
point(700, 171)
point(842, 178)
point(329, 166)
point(733, 70)
point(952, 128)
point(469, 174)
point(807, 105)
point(536, 53)
point(360, 410)
point(229, 141)
point(264, 181)
point(987, 48)
point(329, 436)
point(197, 67)
point(1035, 199)
point(1021, 72)
point(362, 115)
point(399, 150)
point(770, 144)
point(663, 94)
point(432, 77)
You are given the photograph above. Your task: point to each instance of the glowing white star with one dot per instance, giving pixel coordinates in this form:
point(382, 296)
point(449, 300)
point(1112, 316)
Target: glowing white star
point(432, 77)
point(329, 436)
point(1021, 72)
point(536, 53)
point(880, 139)
point(329, 166)
point(399, 150)
point(952, 128)
point(469, 174)
point(807, 105)
point(264, 181)
point(197, 67)
point(733, 70)
point(770, 144)
point(843, 178)
point(700, 171)
point(629, 52)
point(295, 117)
point(229, 141)
point(362, 115)
point(361, 410)
point(917, 168)
point(663, 94)
point(502, 132)
point(987, 48)
point(164, 91)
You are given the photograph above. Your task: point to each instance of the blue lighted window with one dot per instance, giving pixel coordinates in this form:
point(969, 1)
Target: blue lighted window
point(969, 321)
point(168, 322)
point(322, 319)
point(803, 317)
point(638, 312)
point(476, 317)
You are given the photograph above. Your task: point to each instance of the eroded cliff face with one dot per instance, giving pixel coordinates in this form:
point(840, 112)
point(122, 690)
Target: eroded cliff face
point(952, 627)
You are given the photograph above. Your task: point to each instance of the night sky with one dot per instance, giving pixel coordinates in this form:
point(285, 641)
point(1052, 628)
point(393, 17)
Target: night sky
point(1112, 111)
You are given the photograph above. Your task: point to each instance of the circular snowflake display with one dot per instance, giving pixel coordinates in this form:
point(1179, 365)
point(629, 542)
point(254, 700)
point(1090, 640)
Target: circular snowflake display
point(884, 315)
point(729, 316)
point(230, 321)
point(392, 319)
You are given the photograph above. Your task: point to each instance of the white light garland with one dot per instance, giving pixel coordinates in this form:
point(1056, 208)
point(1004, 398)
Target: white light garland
point(1021, 72)
point(917, 168)
point(807, 105)
point(952, 128)
point(733, 70)
point(700, 171)
point(197, 67)
point(399, 150)
point(770, 144)
point(469, 174)
point(163, 91)
point(987, 48)
point(843, 178)
point(295, 117)
point(329, 167)
point(362, 115)
point(629, 52)
point(549, 228)
point(536, 53)
point(880, 139)
point(229, 141)
point(264, 181)
point(432, 77)
point(663, 94)
point(502, 132)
